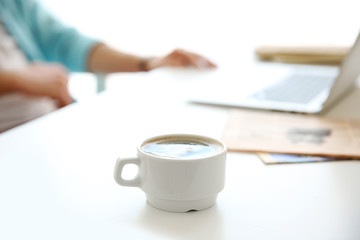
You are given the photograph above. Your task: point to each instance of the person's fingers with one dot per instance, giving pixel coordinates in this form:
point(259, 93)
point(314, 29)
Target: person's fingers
point(197, 61)
point(63, 95)
point(204, 63)
point(185, 58)
point(64, 98)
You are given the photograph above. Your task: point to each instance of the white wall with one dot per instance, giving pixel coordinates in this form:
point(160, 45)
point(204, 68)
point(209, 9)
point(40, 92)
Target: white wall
point(156, 26)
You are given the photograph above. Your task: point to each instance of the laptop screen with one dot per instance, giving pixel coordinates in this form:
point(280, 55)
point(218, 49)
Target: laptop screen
point(348, 73)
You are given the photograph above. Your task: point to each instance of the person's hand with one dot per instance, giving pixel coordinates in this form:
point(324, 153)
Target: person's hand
point(180, 58)
point(49, 80)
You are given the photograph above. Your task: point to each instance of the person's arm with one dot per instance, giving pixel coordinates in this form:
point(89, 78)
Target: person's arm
point(103, 59)
point(44, 80)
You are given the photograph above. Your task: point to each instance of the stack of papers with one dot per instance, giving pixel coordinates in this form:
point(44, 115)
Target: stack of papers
point(296, 134)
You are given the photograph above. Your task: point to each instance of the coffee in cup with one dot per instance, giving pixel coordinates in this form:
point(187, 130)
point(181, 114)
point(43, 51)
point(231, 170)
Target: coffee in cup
point(181, 147)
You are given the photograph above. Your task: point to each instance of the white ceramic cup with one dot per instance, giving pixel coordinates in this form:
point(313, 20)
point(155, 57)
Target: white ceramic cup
point(186, 178)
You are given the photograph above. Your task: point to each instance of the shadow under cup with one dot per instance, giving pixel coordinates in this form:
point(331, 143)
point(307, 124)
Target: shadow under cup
point(179, 172)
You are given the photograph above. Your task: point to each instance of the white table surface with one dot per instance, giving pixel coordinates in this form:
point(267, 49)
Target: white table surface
point(56, 177)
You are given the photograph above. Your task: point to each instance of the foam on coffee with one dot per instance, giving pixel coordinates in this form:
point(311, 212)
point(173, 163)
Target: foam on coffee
point(182, 148)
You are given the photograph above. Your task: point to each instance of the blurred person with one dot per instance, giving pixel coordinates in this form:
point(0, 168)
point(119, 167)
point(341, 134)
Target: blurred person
point(37, 52)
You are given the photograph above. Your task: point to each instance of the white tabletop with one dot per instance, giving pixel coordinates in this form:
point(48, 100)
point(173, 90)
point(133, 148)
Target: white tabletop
point(56, 174)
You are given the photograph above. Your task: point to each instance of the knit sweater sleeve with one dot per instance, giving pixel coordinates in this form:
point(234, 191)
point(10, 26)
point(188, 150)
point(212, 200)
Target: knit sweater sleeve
point(56, 41)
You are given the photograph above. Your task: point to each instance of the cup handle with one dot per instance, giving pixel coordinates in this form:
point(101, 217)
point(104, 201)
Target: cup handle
point(119, 166)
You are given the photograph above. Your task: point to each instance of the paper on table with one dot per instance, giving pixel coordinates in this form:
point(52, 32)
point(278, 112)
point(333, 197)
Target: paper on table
point(276, 158)
point(256, 131)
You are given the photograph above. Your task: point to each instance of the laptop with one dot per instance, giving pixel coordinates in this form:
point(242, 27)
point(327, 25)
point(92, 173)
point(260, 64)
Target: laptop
point(302, 91)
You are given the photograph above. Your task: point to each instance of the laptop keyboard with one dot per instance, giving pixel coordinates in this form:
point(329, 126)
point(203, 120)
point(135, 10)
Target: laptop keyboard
point(295, 89)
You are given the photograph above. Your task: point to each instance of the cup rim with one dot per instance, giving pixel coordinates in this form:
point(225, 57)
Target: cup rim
point(185, 135)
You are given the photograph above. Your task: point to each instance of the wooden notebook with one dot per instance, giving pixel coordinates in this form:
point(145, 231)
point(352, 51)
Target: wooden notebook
point(333, 55)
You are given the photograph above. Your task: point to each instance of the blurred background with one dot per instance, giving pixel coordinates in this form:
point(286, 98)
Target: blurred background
point(226, 31)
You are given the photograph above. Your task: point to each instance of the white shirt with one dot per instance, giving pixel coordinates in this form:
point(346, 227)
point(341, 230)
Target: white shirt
point(17, 108)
